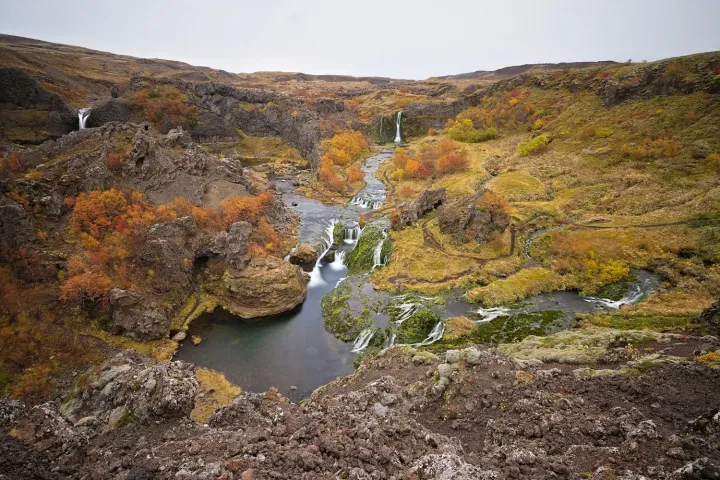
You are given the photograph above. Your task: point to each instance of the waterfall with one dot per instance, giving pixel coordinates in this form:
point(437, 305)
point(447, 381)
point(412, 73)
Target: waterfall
point(363, 203)
point(315, 275)
point(363, 340)
point(339, 262)
point(352, 234)
point(398, 136)
point(435, 335)
point(381, 132)
point(377, 254)
point(83, 115)
point(633, 296)
point(489, 314)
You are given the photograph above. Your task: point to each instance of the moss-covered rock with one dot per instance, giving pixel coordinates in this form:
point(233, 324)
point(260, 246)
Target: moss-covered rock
point(416, 328)
point(340, 318)
point(360, 259)
point(456, 327)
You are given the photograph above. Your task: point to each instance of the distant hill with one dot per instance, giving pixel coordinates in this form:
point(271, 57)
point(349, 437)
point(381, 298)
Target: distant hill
point(507, 72)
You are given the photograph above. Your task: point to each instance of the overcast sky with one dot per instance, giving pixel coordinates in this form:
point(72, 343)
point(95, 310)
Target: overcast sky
point(401, 39)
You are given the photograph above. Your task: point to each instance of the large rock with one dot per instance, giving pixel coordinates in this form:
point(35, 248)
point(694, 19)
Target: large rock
point(130, 387)
point(474, 217)
point(305, 256)
point(232, 245)
point(113, 110)
point(267, 286)
point(710, 318)
point(170, 251)
point(426, 201)
point(16, 226)
point(136, 316)
point(36, 114)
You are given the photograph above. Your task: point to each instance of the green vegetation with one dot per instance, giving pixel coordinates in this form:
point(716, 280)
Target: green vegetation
point(638, 320)
point(534, 145)
point(340, 318)
point(463, 131)
point(525, 283)
point(360, 259)
point(417, 328)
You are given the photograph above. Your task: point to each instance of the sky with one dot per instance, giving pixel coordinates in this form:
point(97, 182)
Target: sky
point(412, 39)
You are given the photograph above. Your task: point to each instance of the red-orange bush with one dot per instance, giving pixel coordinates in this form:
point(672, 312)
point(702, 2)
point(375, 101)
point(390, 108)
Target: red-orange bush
point(85, 287)
point(355, 173)
point(451, 163)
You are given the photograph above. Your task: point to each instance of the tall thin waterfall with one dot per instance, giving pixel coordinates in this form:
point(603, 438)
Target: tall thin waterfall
point(83, 115)
point(381, 131)
point(398, 136)
point(315, 275)
point(378, 261)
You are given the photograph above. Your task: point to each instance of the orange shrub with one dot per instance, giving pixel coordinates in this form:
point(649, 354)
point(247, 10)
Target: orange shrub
point(651, 149)
point(355, 173)
point(84, 287)
point(452, 162)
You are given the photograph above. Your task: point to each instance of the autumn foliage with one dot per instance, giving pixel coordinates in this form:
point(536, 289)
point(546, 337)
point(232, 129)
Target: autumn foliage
point(438, 158)
point(344, 149)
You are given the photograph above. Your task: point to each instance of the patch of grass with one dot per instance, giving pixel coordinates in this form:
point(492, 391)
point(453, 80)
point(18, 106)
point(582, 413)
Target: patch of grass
point(517, 186)
point(417, 328)
point(513, 328)
point(534, 145)
point(217, 392)
point(637, 320)
point(525, 283)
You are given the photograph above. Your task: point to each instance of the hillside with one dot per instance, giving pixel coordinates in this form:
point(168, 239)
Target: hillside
point(527, 280)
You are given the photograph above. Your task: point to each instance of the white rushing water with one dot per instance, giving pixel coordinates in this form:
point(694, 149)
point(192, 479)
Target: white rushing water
point(83, 115)
point(363, 340)
point(378, 261)
point(364, 203)
point(634, 295)
point(398, 135)
point(315, 275)
point(489, 314)
point(352, 234)
point(435, 335)
point(339, 262)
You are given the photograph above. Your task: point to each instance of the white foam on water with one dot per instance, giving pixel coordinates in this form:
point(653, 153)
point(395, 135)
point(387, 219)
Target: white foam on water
point(316, 275)
point(363, 340)
point(378, 261)
point(489, 314)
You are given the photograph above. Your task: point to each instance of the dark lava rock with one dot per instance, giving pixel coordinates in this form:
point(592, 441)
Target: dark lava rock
point(135, 316)
point(425, 202)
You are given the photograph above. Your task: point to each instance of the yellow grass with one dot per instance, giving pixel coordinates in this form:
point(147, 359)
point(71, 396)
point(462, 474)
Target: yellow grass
point(217, 392)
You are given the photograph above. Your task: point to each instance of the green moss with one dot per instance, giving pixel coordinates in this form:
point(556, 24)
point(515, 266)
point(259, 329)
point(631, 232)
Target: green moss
point(513, 328)
point(340, 318)
point(617, 290)
point(360, 259)
point(638, 320)
point(338, 233)
point(416, 328)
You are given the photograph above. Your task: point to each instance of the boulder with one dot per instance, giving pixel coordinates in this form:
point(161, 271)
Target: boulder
point(426, 201)
point(137, 317)
point(305, 256)
point(267, 286)
point(16, 226)
point(710, 318)
point(233, 245)
point(169, 250)
point(329, 105)
point(474, 217)
point(456, 327)
point(113, 110)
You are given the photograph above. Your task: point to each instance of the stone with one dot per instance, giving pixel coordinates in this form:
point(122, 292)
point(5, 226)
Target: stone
point(475, 217)
point(305, 256)
point(426, 201)
point(267, 286)
point(118, 417)
point(135, 316)
point(456, 327)
point(233, 245)
point(180, 336)
point(195, 340)
point(710, 318)
point(16, 226)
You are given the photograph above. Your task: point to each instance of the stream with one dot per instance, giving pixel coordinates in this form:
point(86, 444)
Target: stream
point(294, 353)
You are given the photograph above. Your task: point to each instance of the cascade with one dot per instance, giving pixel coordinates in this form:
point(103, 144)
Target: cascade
point(398, 136)
point(377, 254)
point(363, 340)
point(83, 115)
point(315, 275)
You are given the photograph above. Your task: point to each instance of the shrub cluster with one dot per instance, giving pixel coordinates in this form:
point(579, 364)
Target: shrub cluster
point(534, 145)
point(464, 131)
point(338, 165)
point(438, 158)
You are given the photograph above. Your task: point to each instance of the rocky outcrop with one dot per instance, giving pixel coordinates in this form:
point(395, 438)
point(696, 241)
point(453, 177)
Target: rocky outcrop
point(36, 114)
point(426, 201)
point(114, 110)
point(136, 316)
point(16, 226)
point(135, 387)
point(267, 286)
point(305, 256)
point(170, 251)
point(329, 105)
point(232, 245)
point(474, 217)
point(710, 319)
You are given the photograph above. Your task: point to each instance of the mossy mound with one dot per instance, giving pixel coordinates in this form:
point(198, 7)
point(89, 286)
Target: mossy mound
point(340, 318)
point(417, 328)
point(514, 328)
point(617, 290)
point(360, 259)
point(456, 327)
